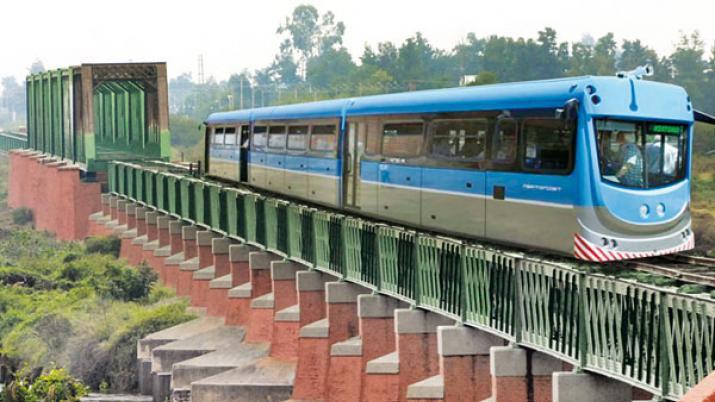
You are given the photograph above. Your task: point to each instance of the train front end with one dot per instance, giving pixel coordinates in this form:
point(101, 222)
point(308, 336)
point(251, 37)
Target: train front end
point(635, 198)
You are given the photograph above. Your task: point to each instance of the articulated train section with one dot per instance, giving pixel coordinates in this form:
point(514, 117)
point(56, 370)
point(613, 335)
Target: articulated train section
point(324, 306)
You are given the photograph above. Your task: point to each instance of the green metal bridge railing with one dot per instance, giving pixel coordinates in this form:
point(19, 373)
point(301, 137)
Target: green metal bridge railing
point(10, 141)
point(650, 337)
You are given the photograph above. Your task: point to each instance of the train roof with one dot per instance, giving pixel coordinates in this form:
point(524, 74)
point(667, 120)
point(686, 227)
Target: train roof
point(514, 95)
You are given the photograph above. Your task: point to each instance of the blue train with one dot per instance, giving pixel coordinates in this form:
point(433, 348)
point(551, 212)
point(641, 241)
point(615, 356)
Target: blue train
point(592, 167)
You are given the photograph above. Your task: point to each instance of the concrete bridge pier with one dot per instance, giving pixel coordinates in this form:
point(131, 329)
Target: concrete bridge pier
point(286, 311)
point(163, 249)
point(204, 271)
point(113, 220)
point(515, 378)
point(171, 263)
point(220, 283)
point(189, 263)
point(98, 219)
point(259, 328)
point(463, 364)
point(238, 303)
point(152, 236)
point(349, 358)
point(127, 236)
point(121, 217)
point(586, 387)
point(135, 249)
point(310, 286)
point(316, 339)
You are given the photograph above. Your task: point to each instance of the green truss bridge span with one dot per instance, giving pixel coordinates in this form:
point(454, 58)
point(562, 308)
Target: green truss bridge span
point(651, 337)
point(94, 113)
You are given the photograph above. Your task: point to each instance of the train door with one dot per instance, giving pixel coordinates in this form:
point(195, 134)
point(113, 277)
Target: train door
point(243, 147)
point(400, 176)
point(453, 177)
point(360, 171)
point(503, 217)
point(351, 170)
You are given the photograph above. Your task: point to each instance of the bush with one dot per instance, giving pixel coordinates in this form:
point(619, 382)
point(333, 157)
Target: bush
point(111, 364)
point(55, 386)
point(61, 306)
point(108, 245)
point(128, 283)
point(22, 216)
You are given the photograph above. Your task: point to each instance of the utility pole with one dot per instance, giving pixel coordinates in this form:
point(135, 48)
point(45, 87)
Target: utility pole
point(201, 69)
point(241, 86)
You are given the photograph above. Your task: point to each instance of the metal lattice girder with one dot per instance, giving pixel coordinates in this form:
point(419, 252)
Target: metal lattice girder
point(650, 337)
point(94, 113)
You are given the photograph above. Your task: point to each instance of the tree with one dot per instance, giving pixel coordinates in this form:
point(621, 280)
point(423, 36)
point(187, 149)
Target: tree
point(307, 37)
point(13, 98)
point(485, 78)
point(467, 55)
point(303, 30)
point(689, 65)
point(581, 62)
point(331, 69)
point(604, 55)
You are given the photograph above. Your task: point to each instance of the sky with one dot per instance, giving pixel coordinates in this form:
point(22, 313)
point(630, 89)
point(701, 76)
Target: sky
point(237, 35)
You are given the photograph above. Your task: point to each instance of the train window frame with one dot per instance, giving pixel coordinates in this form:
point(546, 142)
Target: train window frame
point(420, 152)
point(372, 140)
point(284, 133)
point(306, 138)
point(228, 135)
point(254, 147)
point(324, 153)
point(642, 125)
point(215, 136)
point(513, 165)
point(455, 161)
point(523, 151)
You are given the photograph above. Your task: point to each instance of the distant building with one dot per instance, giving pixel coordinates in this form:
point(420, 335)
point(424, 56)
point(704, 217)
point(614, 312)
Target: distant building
point(467, 79)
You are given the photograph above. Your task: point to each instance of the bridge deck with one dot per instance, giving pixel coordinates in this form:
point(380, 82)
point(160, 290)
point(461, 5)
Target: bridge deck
point(651, 337)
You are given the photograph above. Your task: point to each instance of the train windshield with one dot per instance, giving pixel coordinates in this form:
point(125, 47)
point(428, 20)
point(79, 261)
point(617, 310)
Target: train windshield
point(641, 154)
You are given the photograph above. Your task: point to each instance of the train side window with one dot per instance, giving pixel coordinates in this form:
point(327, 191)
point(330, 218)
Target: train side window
point(372, 142)
point(297, 138)
point(504, 145)
point(218, 136)
point(323, 138)
point(230, 136)
point(259, 137)
point(402, 140)
point(459, 140)
point(548, 146)
point(277, 137)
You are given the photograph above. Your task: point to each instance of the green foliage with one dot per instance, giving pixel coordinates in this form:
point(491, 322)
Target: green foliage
point(57, 385)
point(126, 283)
point(312, 64)
point(185, 131)
point(78, 307)
point(103, 245)
point(22, 216)
point(485, 78)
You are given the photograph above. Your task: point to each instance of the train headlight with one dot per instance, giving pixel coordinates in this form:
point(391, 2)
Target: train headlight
point(644, 210)
point(660, 209)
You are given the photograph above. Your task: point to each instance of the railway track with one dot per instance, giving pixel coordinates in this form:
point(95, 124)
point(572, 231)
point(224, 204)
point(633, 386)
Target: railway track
point(686, 268)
